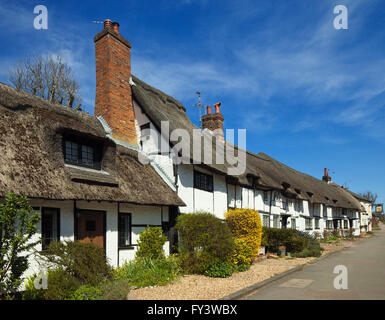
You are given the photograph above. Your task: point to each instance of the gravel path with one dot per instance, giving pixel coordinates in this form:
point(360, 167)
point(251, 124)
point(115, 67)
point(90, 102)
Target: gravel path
point(198, 287)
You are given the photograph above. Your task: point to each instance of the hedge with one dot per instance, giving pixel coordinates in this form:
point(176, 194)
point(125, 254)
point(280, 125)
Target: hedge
point(204, 241)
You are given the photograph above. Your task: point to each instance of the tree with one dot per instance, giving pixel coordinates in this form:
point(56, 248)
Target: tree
point(18, 224)
point(370, 196)
point(48, 77)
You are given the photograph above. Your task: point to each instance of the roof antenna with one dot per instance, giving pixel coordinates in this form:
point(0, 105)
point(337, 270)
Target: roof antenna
point(199, 106)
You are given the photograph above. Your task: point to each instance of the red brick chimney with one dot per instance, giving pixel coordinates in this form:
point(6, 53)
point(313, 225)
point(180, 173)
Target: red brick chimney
point(113, 90)
point(214, 122)
point(326, 176)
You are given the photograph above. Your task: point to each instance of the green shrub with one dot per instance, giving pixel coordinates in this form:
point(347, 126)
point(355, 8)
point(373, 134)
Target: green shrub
point(86, 292)
point(114, 290)
point(221, 269)
point(150, 243)
point(242, 254)
point(312, 250)
point(332, 239)
point(246, 224)
point(84, 261)
point(241, 268)
point(273, 238)
point(61, 285)
point(144, 272)
point(204, 240)
point(298, 243)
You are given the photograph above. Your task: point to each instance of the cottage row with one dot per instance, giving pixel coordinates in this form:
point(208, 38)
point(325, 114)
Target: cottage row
point(85, 173)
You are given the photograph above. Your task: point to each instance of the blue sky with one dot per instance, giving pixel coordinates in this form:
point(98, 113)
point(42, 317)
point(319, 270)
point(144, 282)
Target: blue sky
point(309, 95)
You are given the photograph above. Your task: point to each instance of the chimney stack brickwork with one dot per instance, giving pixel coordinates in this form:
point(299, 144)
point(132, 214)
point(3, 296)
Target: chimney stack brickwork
point(214, 121)
point(326, 176)
point(113, 99)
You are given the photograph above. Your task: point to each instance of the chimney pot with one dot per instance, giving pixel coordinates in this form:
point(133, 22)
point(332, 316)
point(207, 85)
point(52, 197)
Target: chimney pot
point(326, 177)
point(208, 109)
point(115, 27)
point(217, 106)
point(107, 24)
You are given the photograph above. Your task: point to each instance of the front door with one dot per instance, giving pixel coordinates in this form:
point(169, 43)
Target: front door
point(284, 222)
point(91, 227)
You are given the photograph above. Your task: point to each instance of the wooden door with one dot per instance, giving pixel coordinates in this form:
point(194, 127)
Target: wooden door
point(91, 227)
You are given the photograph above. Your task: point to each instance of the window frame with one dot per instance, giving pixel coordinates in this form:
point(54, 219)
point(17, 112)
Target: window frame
point(199, 186)
point(293, 223)
point(266, 218)
point(276, 218)
point(96, 146)
point(44, 246)
point(317, 223)
point(129, 215)
point(306, 224)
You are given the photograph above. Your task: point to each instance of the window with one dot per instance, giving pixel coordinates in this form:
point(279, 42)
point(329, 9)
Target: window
point(324, 210)
point(265, 221)
point(124, 230)
point(144, 133)
point(203, 181)
point(50, 226)
point(265, 197)
point(275, 221)
point(293, 223)
point(346, 222)
point(308, 224)
point(329, 224)
point(86, 154)
point(316, 221)
point(299, 206)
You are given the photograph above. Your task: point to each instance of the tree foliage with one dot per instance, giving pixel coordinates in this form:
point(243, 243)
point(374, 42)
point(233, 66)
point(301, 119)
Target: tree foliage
point(370, 196)
point(48, 77)
point(18, 224)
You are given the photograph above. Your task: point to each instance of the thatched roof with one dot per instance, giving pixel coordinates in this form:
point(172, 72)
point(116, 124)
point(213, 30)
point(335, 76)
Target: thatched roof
point(261, 170)
point(358, 196)
point(32, 162)
point(159, 107)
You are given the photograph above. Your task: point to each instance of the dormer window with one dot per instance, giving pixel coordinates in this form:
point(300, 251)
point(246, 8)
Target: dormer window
point(81, 152)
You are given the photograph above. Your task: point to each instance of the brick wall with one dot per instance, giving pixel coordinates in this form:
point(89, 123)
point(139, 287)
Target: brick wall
point(113, 91)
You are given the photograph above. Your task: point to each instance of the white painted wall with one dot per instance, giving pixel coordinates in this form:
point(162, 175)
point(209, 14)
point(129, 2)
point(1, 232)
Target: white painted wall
point(199, 200)
point(145, 215)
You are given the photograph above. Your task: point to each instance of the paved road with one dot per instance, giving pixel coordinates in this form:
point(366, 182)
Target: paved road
point(364, 260)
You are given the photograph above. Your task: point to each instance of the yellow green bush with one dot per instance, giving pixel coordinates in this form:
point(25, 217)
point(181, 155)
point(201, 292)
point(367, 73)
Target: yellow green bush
point(242, 254)
point(245, 224)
